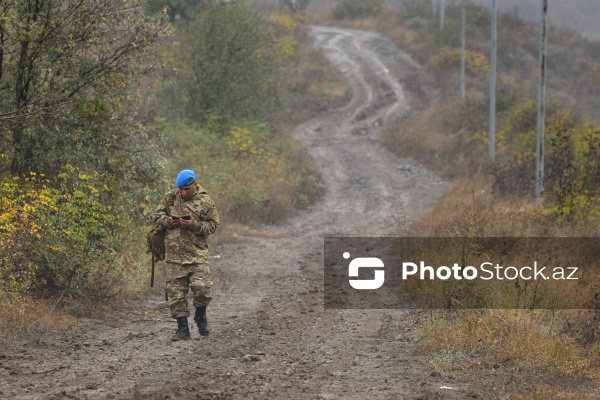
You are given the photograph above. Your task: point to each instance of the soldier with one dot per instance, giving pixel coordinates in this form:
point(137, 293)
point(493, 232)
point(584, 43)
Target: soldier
point(189, 216)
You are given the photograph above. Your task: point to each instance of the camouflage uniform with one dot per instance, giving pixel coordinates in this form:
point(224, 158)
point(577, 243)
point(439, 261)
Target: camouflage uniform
point(187, 249)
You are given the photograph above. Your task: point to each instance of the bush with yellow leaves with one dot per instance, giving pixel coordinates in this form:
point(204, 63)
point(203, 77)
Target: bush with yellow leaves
point(53, 236)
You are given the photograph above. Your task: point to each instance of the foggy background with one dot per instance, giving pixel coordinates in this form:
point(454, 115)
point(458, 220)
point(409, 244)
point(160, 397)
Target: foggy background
point(579, 15)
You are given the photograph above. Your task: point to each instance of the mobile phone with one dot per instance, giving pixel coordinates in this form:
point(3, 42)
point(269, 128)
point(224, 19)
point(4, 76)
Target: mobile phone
point(186, 217)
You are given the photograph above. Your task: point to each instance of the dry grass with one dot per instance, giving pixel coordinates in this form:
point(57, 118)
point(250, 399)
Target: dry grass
point(553, 352)
point(506, 340)
point(321, 14)
point(314, 87)
point(446, 135)
point(28, 316)
point(24, 318)
point(231, 232)
point(471, 207)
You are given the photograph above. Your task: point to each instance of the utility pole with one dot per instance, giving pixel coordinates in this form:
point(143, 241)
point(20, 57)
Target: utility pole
point(539, 162)
point(493, 82)
point(442, 14)
point(463, 40)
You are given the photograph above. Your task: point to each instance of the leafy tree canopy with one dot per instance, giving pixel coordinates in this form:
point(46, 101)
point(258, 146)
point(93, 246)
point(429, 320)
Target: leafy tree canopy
point(228, 67)
point(74, 163)
point(66, 71)
point(184, 9)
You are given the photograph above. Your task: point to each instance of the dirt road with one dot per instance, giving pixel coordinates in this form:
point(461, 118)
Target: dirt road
point(272, 337)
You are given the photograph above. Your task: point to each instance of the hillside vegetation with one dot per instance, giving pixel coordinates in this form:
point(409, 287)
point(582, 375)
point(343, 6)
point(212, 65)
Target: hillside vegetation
point(101, 106)
point(240, 82)
point(577, 15)
point(496, 199)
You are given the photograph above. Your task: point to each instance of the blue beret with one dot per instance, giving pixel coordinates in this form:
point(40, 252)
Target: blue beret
point(185, 178)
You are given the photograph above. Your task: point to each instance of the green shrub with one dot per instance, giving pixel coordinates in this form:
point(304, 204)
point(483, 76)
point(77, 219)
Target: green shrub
point(55, 238)
point(415, 9)
point(252, 175)
point(357, 8)
point(416, 23)
point(448, 57)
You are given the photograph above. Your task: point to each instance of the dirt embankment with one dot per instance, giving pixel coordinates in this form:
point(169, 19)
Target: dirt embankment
point(272, 337)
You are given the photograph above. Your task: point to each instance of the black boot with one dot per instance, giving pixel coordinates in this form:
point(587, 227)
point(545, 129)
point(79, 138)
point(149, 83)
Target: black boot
point(200, 318)
point(183, 330)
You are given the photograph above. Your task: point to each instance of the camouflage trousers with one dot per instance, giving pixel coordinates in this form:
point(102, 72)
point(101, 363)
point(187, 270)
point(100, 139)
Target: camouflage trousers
point(182, 278)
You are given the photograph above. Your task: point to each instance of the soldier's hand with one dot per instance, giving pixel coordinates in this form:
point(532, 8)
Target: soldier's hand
point(173, 222)
point(187, 223)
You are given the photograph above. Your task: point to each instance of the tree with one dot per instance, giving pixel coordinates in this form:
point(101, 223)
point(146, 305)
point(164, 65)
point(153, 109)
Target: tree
point(357, 8)
point(185, 9)
point(229, 66)
point(73, 160)
point(295, 6)
point(66, 72)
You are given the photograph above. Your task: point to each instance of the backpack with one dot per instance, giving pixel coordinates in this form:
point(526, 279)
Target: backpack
point(156, 246)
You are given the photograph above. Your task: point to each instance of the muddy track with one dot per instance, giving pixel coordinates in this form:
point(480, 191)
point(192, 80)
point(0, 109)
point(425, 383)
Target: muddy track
point(272, 337)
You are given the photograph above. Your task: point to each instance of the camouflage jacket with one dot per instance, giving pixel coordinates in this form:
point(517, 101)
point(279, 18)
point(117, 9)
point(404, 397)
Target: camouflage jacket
point(184, 245)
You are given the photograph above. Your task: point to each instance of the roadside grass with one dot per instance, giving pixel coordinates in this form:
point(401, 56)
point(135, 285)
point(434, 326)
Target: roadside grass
point(443, 136)
point(508, 341)
point(313, 86)
point(26, 318)
point(28, 315)
point(552, 351)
